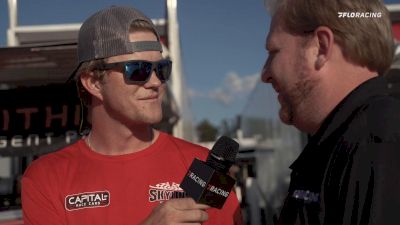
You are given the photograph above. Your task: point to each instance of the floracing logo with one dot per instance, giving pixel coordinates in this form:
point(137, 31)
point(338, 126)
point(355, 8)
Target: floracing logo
point(359, 14)
point(87, 200)
point(165, 191)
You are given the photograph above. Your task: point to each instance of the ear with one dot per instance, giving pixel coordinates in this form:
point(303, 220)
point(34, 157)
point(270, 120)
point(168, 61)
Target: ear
point(91, 84)
point(325, 40)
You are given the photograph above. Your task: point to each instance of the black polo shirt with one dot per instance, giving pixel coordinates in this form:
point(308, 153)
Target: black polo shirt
point(348, 173)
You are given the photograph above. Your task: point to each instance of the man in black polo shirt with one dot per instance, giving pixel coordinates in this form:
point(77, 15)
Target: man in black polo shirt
point(326, 61)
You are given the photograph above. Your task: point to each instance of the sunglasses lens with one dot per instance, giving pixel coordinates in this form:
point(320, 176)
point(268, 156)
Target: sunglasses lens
point(164, 70)
point(138, 71)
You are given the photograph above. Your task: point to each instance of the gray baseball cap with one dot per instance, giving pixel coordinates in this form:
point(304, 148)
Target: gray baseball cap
point(106, 34)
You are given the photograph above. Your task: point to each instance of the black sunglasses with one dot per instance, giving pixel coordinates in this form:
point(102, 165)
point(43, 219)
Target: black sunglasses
point(139, 71)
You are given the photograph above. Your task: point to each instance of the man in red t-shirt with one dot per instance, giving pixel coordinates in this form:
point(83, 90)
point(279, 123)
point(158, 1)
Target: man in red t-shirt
point(123, 171)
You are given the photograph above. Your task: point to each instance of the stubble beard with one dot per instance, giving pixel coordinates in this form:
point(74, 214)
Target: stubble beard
point(295, 102)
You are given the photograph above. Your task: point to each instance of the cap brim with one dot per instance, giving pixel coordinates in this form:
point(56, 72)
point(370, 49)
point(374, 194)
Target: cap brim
point(73, 74)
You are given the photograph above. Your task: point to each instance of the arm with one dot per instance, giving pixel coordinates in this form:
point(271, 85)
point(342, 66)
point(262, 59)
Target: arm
point(37, 206)
point(383, 186)
point(383, 153)
point(374, 196)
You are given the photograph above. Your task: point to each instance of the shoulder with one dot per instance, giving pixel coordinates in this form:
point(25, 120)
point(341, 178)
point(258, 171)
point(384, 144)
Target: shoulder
point(53, 162)
point(188, 149)
point(383, 106)
point(382, 115)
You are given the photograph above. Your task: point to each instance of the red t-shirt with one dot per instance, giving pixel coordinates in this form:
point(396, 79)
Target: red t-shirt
point(78, 186)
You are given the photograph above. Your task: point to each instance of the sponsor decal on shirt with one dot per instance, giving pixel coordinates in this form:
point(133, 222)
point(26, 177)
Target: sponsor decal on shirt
point(87, 200)
point(306, 195)
point(165, 191)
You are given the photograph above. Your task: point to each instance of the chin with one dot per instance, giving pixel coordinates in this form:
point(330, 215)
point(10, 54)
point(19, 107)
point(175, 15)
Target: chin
point(285, 120)
point(285, 117)
point(153, 119)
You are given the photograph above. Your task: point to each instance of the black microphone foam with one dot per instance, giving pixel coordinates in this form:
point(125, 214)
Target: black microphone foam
point(223, 154)
point(208, 182)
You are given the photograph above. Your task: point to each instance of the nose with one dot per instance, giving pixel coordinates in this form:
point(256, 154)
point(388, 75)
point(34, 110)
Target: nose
point(153, 82)
point(266, 73)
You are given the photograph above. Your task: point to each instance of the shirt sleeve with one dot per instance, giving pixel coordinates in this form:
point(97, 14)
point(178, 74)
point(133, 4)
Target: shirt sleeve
point(382, 195)
point(383, 155)
point(38, 206)
point(374, 196)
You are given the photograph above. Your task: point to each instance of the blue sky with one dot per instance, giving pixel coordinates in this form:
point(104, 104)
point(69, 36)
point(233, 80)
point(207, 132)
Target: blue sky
point(222, 43)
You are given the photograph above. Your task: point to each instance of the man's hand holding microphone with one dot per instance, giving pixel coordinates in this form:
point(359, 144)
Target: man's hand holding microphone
point(206, 184)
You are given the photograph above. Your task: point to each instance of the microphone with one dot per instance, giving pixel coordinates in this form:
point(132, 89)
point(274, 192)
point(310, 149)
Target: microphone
point(208, 182)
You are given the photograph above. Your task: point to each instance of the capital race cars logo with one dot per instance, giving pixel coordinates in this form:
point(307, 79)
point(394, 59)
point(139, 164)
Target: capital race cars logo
point(165, 191)
point(87, 200)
